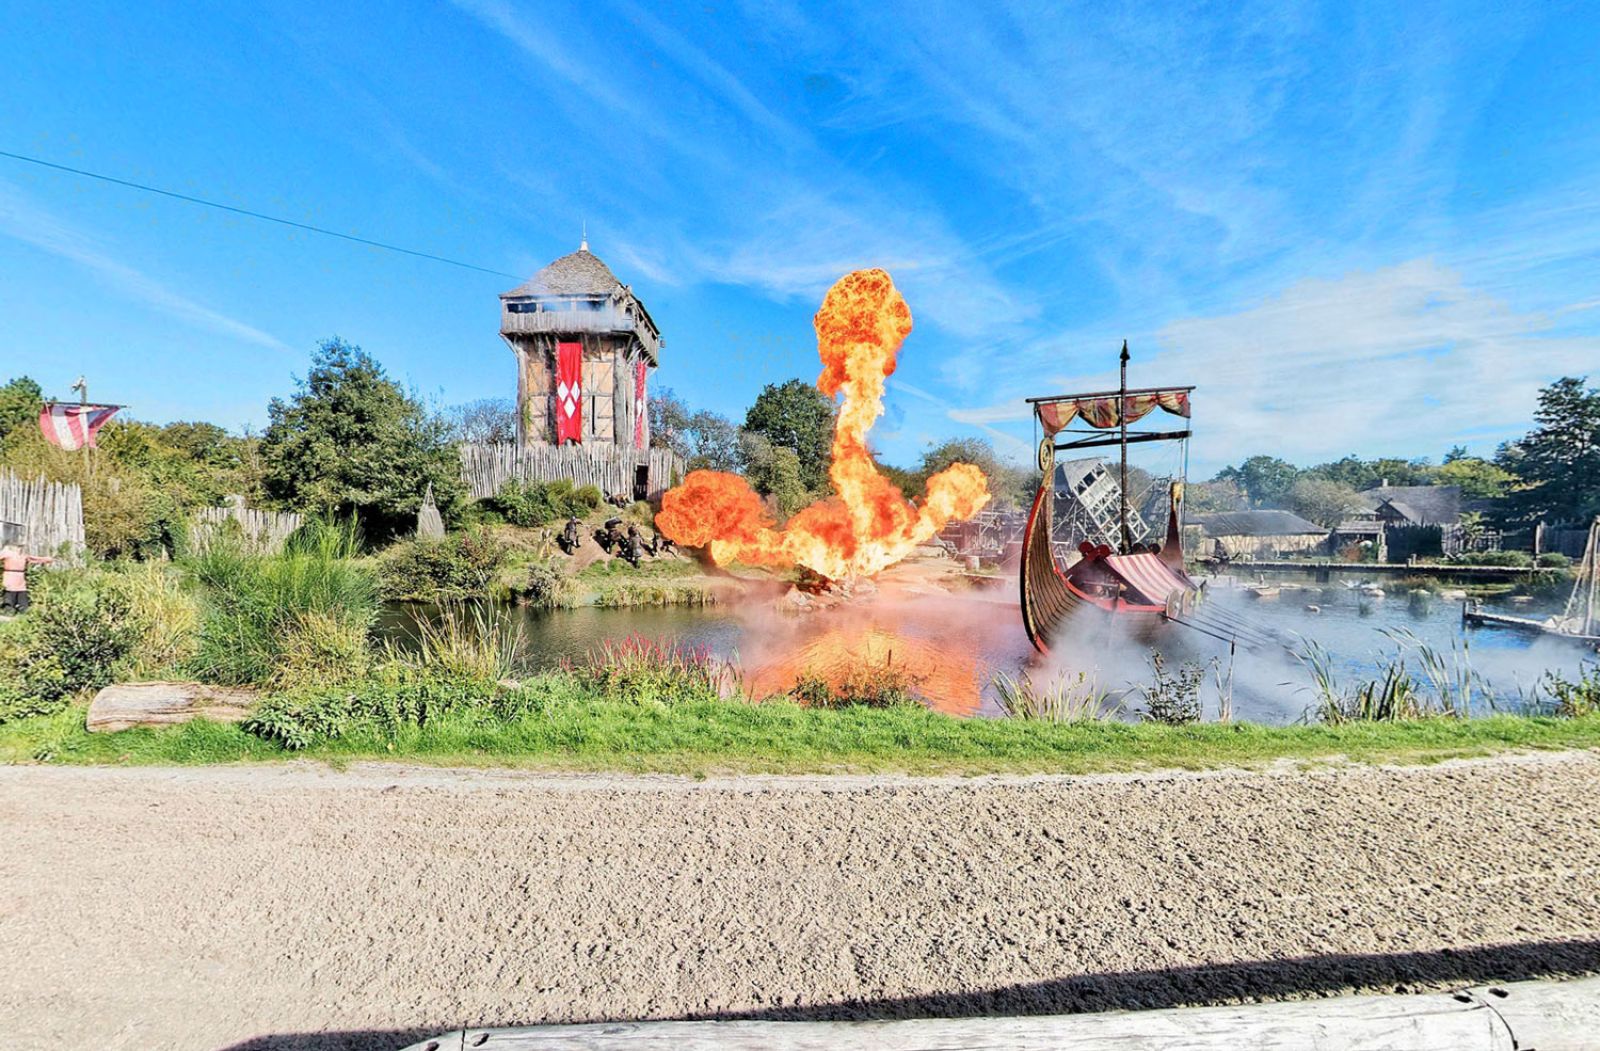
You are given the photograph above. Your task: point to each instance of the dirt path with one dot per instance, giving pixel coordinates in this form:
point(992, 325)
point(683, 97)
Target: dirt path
point(301, 907)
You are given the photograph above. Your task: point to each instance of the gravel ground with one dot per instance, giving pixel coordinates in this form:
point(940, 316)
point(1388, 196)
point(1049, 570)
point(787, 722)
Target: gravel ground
point(300, 907)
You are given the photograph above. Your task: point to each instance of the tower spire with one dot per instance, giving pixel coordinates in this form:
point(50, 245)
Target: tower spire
point(583, 245)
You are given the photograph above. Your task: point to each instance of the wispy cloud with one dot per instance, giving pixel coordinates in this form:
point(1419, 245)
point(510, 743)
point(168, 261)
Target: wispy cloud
point(34, 226)
point(1403, 359)
point(709, 176)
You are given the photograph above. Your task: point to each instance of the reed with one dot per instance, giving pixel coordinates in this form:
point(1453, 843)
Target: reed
point(1063, 699)
point(259, 611)
point(657, 670)
point(465, 642)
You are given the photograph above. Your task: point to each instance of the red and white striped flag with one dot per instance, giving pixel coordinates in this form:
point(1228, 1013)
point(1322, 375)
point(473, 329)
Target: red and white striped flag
point(73, 426)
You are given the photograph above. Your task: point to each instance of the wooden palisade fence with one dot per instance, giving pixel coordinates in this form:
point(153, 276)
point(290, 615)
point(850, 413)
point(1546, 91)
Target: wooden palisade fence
point(614, 469)
point(261, 531)
point(50, 514)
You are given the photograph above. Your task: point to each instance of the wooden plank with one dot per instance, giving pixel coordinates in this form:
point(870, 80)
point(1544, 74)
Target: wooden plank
point(1533, 1016)
point(1428, 1022)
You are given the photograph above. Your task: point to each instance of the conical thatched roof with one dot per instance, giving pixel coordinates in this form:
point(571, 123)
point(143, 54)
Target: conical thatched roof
point(579, 274)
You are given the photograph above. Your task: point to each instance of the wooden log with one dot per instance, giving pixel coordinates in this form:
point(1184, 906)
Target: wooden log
point(130, 704)
point(1547, 1016)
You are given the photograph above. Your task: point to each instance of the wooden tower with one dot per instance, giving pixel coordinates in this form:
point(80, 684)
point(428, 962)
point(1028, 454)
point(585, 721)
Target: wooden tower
point(578, 300)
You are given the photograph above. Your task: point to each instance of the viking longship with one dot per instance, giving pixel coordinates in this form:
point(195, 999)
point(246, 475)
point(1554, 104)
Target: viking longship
point(1108, 564)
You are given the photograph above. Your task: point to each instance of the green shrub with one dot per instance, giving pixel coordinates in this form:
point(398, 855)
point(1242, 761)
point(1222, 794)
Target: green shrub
point(301, 718)
point(269, 619)
point(1172, 698)
point(540, 503)
point(865, 684)
point(655, 671)
point(1575, 698)
point(461, 565)
point(544, 586)
point(1553, 560)
point(1516, 559)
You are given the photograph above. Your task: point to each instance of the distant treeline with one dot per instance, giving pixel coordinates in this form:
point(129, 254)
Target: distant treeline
point(1552, 473)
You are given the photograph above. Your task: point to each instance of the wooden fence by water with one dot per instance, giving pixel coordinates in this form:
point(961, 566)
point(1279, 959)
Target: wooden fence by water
point(50, 514)
point(614, 469)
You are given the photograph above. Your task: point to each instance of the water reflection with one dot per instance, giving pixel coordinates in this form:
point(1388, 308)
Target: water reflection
point(954, 645)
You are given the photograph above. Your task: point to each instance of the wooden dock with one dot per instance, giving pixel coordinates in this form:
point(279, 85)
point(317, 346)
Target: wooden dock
point(1324, 571)
point(1477, 618)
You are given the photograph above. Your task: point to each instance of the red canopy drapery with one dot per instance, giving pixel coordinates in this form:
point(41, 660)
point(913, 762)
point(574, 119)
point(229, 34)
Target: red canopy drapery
point(1102, 412)
point(569, 392)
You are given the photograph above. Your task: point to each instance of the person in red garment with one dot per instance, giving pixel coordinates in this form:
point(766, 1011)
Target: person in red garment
point(14, 563)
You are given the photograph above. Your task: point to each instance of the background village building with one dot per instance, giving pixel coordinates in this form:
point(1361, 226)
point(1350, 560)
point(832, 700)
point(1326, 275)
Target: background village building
point(1252, 535)
point(1407, 520)
point(586, 348)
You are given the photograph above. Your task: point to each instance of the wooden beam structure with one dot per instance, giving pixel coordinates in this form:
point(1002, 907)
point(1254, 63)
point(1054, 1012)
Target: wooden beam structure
point(1547, 1016)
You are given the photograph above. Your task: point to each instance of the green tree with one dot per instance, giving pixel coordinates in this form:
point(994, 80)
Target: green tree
point(1009, 484)
point(1478, 478)
point(351, 441)
point(773, 471)
point(669, 419)
point(1266, 480)
point(795, 415)
point(712, 442)
point(1559, 461)
point(1320, 500)
point(1221, 494)
point(20, 401)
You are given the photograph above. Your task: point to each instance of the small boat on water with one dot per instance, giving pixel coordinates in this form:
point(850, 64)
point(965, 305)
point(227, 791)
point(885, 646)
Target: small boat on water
point(1579, 622)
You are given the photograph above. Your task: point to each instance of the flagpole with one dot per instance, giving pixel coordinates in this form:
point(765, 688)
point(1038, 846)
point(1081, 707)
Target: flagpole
point(1122, 415)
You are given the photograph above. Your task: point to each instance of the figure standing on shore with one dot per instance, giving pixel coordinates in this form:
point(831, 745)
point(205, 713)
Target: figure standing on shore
point(14, 563)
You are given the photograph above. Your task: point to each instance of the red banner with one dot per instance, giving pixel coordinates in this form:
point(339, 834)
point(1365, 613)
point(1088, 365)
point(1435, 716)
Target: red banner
point(569, 392)
point(641, 407)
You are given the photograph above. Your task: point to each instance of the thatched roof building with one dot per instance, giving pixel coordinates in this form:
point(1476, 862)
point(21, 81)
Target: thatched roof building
point(585, 346)
point(578, 300)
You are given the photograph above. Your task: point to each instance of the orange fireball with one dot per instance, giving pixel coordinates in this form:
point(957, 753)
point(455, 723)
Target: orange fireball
point(868, 524)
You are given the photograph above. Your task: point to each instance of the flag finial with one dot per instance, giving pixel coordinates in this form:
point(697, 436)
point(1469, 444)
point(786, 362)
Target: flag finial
point(583, 245)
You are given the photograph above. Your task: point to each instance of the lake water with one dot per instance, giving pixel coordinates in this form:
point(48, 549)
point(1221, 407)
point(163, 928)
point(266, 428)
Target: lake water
point(954, 645)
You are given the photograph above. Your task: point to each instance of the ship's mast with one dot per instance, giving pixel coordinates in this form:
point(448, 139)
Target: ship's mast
point(1122, 417)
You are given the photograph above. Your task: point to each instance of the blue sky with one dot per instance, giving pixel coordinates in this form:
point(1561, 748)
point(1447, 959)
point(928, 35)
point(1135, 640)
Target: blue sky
point(1367, 228)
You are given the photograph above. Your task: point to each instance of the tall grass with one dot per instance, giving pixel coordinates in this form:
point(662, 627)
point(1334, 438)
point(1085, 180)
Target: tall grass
point(302, 615)
point(656, 670)
point(465, 642)
point(1444, 685)
point(1063, 699)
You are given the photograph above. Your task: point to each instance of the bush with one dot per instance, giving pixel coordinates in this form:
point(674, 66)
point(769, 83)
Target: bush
point(1171, 698)
point(866, 684)
point(1575, 698)
point(1518, 559)
point(461, 565)
point(544, 587)
point(301, 718)
point(270, 619)
point(540, 503)
point(1553, 560)
point(651, 671)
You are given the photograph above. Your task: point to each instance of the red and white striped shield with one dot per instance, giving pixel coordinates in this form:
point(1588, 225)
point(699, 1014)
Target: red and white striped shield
point(73, 426)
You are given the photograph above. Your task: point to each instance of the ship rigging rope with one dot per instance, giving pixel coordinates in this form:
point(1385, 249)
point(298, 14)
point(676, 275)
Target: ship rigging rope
point(248, 213)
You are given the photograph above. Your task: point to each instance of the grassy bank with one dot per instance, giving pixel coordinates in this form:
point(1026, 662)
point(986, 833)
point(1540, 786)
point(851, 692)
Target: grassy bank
point(577, 729)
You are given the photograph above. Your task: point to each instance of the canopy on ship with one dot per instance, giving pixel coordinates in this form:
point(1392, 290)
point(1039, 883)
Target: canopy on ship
point(1101, 410)
point(1149, 580)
